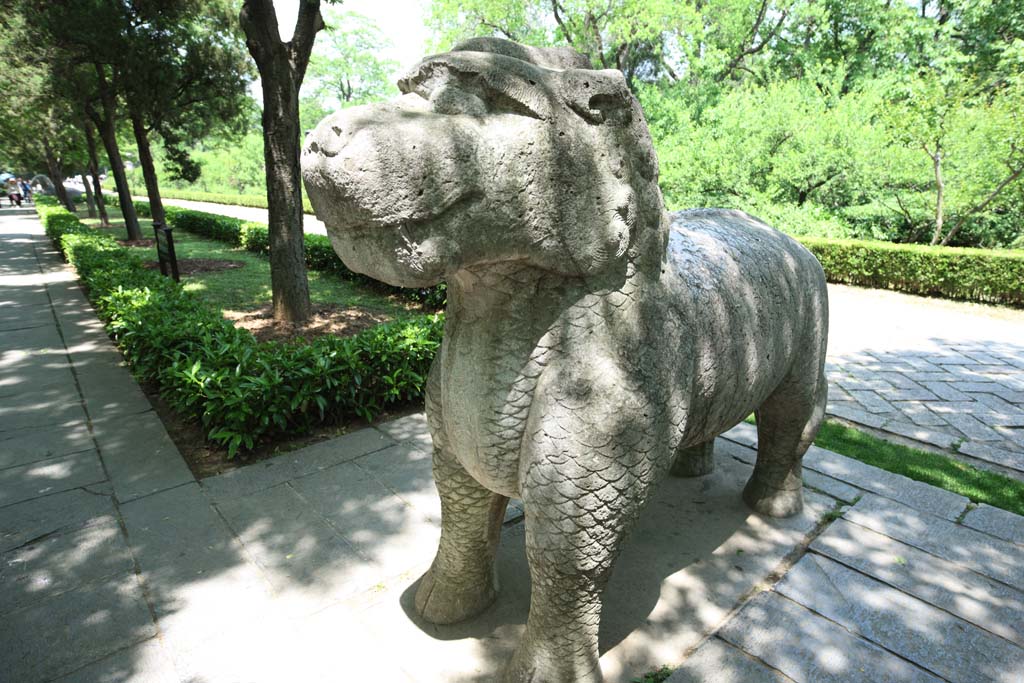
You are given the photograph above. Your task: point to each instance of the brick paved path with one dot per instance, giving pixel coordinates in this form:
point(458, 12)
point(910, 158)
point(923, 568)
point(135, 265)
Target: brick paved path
point(945, 374)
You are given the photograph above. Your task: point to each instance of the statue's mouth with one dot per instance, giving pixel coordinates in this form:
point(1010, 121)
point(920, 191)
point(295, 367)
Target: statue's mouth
point(414, 224)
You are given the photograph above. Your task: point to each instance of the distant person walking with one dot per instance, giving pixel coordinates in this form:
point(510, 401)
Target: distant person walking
point(26, 190)
point(13, 192)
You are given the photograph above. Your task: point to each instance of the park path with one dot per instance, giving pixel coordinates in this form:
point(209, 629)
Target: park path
point(117, 565)
point(310, 224)
point(944, 374)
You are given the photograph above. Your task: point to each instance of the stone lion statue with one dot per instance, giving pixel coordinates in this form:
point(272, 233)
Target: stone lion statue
point(593, 342)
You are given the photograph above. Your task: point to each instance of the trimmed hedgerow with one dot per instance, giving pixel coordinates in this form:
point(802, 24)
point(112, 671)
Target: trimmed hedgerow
point(242, 390)
point(985, 275)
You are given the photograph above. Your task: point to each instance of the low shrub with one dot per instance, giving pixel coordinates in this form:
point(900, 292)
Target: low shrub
point(320, 255)
point(984, 275)
point(242, 390)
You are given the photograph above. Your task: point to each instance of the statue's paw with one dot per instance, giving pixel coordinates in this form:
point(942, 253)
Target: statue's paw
point(446, 602)
point(528, 665)
point(773, 502)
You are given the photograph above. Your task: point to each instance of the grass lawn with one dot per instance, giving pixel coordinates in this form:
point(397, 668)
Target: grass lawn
point(980, 486)
point(248, 287)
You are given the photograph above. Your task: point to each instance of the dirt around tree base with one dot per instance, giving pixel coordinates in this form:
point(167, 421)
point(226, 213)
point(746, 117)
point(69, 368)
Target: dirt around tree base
point(137, 243)
point(194, 266)
point(327, 319)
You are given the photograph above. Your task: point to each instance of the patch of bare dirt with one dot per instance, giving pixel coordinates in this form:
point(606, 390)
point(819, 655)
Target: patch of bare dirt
point(194, 266)
point(137, 243)
point(330, 319)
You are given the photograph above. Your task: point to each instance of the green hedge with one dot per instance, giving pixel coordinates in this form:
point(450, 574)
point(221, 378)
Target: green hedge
point(984, 275)
point(320, 255)
point(241, 389)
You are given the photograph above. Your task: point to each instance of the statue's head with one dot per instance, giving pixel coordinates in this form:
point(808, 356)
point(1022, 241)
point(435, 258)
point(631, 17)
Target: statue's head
point(494, 152)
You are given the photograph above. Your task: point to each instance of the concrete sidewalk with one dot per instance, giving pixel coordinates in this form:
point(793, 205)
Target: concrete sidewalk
point(116, 565)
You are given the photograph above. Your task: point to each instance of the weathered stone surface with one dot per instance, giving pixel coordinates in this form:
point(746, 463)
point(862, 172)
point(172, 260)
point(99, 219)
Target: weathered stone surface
point(32, 519)
point(716, 661)
point(58, 563)
point(927, 636)
point(146, 662)
point(296, 464)
point(996, 522)
point(949, 586)
point(984, 554)
point(34, 445)
point(812, 649)
point(50, 476)
point(999, 456)
point(59, 634)
point(590, 336)
point(15, 419)
point(139, 455)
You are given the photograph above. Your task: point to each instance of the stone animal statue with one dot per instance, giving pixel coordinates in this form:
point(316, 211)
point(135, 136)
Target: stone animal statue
point(593, 343)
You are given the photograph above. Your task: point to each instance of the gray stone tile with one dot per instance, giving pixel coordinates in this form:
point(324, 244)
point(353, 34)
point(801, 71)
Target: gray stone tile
point(296, 464)
point(980, 552)
point(33, 519)
point(743, 433)
point(859, 416)
point(999, 456)
point(953, 407)
point(61, 562)
point(146, 662)
point(177, 526)
point(300, 553)
point(872, 402)
point(57, 635)
point(947, 391)
point(14, 419)
point(409, 428)
point(41, 444)
point(898, 380)
point(913, 493)
point(811, 649)
point(972, 428)
point(910, 430)
point(47, 477)
point(111, 391)
point(907, 395)
point(408, 472)
point(716, 661)
point(919, 414)
point(938, 375)
point(995, 522)
point(380, 525)
point(984, 602)
point(833, 487)
point(139, 455)
point(925, 635)
point(32, 338)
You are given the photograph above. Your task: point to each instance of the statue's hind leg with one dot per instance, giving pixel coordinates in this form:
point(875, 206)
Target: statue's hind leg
point(694, 461)
point(786, 426)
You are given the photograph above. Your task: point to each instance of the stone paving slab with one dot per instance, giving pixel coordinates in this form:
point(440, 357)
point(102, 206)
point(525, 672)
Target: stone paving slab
point(977, 551)
point(986, 603)
point(138, 454)
point(146, 662)
point(46, 477)
point(62, 562)
point(35, 519)
point(33, 445)
point(716, 661)
point(809, 648)
point(902, 624)
point(996, 522)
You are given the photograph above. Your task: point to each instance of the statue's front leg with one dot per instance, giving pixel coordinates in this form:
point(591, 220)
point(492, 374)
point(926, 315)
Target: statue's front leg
point(574, 528)
point(462, 581)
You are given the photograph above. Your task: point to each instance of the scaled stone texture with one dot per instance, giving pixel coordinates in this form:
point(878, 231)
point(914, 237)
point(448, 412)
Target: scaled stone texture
point(593, 342)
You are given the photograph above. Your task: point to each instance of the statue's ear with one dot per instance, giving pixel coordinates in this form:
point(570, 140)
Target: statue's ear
point(598, 96)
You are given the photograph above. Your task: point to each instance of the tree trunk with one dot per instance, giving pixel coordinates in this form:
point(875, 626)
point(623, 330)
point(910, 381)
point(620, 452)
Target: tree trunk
point(88, 196)
point(288, 278)
point(282, 67)
point(94, 171)
point(940, 189)
point(56, 174)
point(156, 206)
point(108, 133)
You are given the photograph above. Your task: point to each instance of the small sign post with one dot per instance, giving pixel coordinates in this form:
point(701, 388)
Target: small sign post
point(165, 251)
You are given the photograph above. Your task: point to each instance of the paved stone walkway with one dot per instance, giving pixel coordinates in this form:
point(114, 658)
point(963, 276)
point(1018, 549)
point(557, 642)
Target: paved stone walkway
point(942, 373)
point(116, 565)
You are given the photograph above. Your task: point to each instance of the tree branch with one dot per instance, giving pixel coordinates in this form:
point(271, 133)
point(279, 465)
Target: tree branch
point(981, 205)
point(561, 24)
